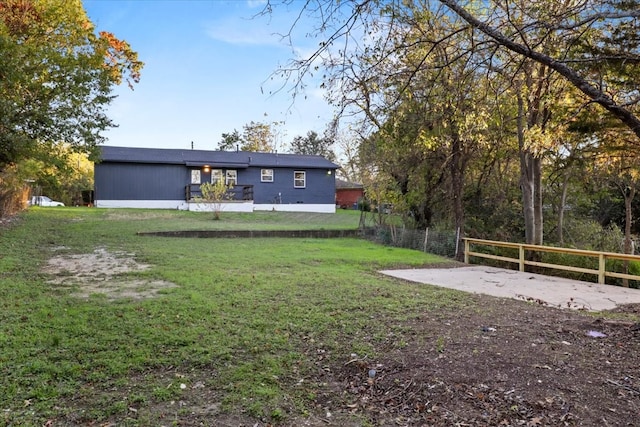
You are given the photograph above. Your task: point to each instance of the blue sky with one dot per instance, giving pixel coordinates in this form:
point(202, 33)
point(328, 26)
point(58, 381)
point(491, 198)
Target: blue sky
point(207, 63)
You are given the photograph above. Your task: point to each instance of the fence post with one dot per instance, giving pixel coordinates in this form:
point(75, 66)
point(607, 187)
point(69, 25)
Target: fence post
point(601, 269)
point(466, 251)
point(521, 256)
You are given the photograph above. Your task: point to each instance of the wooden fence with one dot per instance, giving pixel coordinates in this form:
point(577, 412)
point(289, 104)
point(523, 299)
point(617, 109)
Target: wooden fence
point(602, 257)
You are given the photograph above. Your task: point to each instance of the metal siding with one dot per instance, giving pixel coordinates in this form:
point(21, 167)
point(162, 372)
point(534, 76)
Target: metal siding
point(320, 187)
point(122, 181)
point(263, 192)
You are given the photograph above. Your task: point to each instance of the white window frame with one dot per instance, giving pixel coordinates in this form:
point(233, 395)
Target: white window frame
point(266, 175)
point(299, 176)
point(216, 174)
point(196, 176)
point(231, 177)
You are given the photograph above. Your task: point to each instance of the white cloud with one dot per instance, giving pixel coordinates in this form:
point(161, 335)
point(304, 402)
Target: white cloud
point(248, 28)
point(240, 33)
point(256, 3)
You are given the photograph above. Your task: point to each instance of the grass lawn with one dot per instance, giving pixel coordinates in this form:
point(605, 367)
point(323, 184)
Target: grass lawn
point(229, 339)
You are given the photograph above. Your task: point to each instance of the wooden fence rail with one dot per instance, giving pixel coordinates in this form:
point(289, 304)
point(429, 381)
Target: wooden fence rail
point(602, 257)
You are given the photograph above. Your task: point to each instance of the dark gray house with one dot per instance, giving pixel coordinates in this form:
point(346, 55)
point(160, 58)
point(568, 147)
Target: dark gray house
point(171, 178)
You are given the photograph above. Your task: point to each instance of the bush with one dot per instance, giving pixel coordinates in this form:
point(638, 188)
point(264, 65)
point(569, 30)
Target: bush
point(590, 235)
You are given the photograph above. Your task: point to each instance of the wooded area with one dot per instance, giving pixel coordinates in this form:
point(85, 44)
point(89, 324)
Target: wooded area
point(514, 120)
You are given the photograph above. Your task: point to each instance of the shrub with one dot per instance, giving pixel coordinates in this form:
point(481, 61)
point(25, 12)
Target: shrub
point(215, 193)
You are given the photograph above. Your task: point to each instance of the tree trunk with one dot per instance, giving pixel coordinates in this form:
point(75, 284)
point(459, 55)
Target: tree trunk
point(527, 186)
point(527, 183)
point(629, 194)
point(563, 202)
point(457, 185)
point(536, 165)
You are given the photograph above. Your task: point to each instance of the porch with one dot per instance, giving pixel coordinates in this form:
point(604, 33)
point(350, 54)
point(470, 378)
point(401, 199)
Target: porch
point(239, 193)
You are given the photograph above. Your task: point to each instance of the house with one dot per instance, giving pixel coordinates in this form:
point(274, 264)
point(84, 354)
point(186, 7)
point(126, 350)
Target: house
point(170, 179)
point(348, 194)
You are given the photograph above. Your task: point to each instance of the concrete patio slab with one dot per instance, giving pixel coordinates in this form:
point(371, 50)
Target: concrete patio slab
point(548, 290)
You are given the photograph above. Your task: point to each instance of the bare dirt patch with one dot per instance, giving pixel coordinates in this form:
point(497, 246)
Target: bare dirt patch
point(103, 272)
point(507, 364)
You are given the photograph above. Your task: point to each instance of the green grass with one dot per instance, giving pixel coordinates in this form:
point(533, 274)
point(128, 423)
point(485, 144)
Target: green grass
point(261, 220)
point(239, 327)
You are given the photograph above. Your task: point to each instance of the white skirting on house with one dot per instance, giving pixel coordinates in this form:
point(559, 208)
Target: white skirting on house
point(243, 206)
point(221, 207)
point(140, 204)
point(297, 207)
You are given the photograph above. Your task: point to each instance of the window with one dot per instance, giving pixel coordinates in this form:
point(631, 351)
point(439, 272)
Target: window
point(299, 179)
point(216, 175)
point(231, 177)
point(195, 176)
point(266, 175)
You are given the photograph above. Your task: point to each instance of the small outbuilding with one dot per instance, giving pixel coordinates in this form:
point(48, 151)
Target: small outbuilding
point(128, 177)
point(348, 194)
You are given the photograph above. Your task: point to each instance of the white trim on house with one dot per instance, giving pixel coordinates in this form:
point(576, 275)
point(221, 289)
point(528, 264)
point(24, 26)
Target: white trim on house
point(299, 179)
point(216, 174)
point(139, 204)
point(246, 206)
point(266, 175)
point(239, 206)
point(297, 207)
point(231, 177)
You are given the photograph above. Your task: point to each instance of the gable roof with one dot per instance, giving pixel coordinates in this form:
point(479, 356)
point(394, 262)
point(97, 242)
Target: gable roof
point(222, 159)
point(347, 185)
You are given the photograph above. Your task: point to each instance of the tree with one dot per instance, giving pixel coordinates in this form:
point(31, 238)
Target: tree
point(256, 136)
point(544, 40)
point(62, 178)
point(539, 51)
point(609, 27)
point(312, 144)
point(349, 160)
point(56, 77)
point(230, 141)
point(621, 170)
point(567, 166)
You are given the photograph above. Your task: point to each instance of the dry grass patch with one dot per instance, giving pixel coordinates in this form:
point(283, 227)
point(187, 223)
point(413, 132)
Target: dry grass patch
point(101, 272)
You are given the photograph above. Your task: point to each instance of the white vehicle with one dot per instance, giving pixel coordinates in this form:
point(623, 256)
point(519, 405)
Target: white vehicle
point(44, 201)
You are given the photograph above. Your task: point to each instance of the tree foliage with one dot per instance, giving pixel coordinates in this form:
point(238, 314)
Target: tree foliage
point(463, 104)
point(56, 77)
point(313, 144)
point(64, 177)
point(256, 137)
